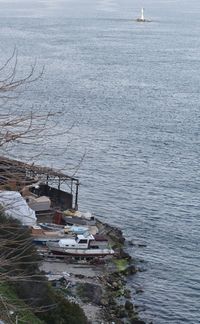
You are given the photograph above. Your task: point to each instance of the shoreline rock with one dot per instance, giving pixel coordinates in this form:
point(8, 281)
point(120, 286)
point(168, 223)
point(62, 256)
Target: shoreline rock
point(106, 280)
point(101, 288)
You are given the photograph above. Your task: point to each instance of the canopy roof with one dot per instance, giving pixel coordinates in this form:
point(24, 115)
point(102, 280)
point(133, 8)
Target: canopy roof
point(24, 173)
point(15, 166)
point(15, 175)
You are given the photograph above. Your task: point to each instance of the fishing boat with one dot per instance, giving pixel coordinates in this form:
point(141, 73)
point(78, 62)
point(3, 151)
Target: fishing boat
point(80, 246)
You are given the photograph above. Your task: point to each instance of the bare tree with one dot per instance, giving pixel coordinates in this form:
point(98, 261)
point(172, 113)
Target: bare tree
point(27, 133)
point(18, 125)
point(18, 128)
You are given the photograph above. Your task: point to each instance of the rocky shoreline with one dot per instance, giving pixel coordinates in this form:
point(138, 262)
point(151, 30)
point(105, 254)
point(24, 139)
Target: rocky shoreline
point(98, 286)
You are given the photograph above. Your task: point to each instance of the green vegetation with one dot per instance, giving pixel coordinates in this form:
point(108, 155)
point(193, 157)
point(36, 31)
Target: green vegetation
point(121, 264)
point(11, 306)
point(24, 290)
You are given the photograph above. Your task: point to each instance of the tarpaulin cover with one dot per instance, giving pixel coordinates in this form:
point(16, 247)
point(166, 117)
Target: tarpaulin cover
point(14, 205)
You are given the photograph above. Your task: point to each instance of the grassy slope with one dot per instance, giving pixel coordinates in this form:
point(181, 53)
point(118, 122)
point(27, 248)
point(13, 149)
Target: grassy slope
point(9, 301)
point(20, 260)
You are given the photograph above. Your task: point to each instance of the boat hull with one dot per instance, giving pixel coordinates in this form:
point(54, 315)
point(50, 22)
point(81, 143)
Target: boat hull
point(80, 252)
point(44, 241)
point(74, 220)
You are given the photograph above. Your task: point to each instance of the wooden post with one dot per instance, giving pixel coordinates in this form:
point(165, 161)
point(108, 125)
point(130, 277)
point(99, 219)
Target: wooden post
point(76, 198)
point(71, 186)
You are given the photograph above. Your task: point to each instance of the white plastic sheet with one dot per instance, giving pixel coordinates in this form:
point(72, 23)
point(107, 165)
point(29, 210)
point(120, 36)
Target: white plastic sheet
point(14, 205)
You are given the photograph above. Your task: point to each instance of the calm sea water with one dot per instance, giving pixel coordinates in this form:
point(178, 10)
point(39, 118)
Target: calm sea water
point(133, 91)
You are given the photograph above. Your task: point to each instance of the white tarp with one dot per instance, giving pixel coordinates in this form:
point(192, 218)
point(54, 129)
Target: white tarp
point(14, 205)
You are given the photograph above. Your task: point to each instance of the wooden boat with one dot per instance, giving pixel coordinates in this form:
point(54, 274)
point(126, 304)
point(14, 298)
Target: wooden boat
point(79, 246)
point(75, 229)
point(51, 227)
point(74, 220)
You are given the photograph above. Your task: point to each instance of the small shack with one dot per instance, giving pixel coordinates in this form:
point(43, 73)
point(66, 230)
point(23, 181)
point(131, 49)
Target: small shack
point(42, 181)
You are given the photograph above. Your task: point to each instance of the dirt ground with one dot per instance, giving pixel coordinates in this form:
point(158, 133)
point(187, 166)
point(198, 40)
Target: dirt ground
point(78, 274)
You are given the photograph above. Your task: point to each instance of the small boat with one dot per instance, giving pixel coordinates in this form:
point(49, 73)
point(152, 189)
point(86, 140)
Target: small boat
point(79, 246)
point(51, 226)
point(74, 220)
point(45, 240)
point(76, 229)
point(141, 18)
point(41, 236)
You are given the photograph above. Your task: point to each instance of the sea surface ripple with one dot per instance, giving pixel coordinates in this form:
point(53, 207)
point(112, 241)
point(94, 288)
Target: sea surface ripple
point(133, 92)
